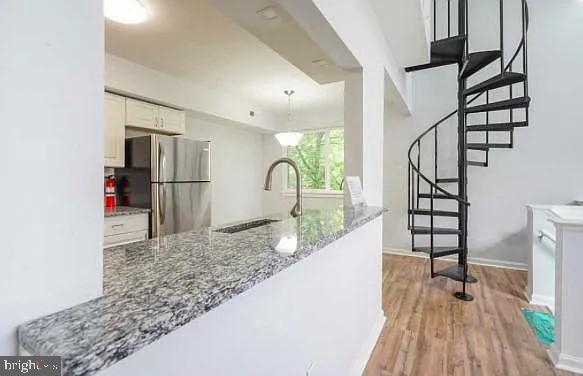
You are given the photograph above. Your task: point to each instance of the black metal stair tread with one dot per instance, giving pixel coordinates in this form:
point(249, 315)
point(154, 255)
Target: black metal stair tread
point(438, 251)
point(479, 146)
point(439, 213)
point(443, 52)
point(434, 63)
point(508, 104)
point(452, 47)
point(495, 127)
point(456, 272)
point(478, 164)
point(495, 82)
point(477, 61)
point(436, 230)
point(448, 180)
point(437, 196)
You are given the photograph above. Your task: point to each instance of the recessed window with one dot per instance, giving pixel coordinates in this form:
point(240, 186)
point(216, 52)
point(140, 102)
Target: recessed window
point(320, 158)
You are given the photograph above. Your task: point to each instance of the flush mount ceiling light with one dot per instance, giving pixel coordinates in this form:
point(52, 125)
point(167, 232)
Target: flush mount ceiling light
point(289, 138)
point(125, 11)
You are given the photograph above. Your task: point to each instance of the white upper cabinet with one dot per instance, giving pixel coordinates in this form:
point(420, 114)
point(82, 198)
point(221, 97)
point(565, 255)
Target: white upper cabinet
point(154, 117)
point(141, 114)
point(114, 129)
point(172, 121)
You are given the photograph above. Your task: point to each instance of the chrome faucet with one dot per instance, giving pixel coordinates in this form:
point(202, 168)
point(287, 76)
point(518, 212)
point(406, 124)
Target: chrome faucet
point(297, 209)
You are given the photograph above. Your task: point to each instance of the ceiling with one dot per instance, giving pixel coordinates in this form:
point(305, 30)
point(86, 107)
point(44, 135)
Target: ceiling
point(192, 41)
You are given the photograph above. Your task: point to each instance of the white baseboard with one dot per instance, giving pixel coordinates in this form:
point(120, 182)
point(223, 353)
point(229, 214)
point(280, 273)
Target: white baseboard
point(540, 300)
point(566, 362)
point(543, 300)
point(368, 346)
point(472, 260)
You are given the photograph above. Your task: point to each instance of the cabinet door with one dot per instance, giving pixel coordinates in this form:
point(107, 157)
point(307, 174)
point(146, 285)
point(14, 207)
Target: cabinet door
point(172, 121)
point(114, 129)
point(141, 114)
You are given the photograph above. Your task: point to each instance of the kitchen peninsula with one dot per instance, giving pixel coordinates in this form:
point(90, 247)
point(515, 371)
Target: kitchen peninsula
point(291, 296)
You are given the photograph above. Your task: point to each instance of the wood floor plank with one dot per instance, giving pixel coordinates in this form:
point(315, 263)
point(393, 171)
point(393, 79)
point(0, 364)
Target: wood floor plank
point(429, 332)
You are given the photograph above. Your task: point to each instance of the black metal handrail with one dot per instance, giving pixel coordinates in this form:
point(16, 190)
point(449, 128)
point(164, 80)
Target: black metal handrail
point(413, 169)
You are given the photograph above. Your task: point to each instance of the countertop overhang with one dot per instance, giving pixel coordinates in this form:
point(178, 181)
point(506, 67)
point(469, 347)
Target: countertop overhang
point(156, 286)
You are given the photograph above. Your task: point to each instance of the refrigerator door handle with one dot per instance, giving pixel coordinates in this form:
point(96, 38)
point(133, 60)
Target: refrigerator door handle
point(161, 163)
point(162, 204)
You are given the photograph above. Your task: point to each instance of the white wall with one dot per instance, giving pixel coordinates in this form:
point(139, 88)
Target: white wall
point(544, 166)
point(358, 39)
point(304, 320)
point(273, 201)
point(51, 103)
point(357, 25)
point(236, 168)
point(138, 80)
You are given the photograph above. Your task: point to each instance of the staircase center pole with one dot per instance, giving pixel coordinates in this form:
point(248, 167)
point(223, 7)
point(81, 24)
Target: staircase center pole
point(462, 154)
point(462, 157)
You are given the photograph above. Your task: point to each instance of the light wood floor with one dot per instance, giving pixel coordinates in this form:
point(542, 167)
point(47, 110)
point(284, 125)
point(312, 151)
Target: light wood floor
point(429, 332)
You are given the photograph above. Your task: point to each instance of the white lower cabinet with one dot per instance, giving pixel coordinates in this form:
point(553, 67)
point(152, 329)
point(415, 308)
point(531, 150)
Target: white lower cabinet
point(125, 229)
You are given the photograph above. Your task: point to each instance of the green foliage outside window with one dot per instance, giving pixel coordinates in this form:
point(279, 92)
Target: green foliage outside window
point(320, 157)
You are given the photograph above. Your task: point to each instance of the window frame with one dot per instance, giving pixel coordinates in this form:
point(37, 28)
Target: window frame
point(327, 192)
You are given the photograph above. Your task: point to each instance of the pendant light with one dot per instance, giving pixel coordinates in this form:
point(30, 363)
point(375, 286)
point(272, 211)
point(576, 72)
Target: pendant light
point(289, 138)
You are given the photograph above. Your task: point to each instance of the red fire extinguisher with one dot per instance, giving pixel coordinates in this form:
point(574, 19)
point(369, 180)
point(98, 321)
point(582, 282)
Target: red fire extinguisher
point(110, 200)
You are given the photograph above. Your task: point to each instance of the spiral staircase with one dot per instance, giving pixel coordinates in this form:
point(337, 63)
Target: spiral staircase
point(492, 102)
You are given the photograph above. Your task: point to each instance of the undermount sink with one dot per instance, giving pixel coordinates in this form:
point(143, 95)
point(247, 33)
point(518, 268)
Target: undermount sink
point(246, 225)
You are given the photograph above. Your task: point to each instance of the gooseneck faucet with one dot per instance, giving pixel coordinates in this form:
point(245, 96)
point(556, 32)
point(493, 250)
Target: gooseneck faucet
point(297, 209)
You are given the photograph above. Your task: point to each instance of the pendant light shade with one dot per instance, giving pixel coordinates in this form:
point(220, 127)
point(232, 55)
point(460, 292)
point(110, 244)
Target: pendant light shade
point(289, 138)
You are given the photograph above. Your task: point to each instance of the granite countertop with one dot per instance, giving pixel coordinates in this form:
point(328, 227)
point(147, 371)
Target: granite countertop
point(124, 210)
point(153, 287)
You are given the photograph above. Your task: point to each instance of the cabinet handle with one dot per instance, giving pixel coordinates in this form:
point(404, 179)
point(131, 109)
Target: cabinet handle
point(162, 120)
point(117, 226)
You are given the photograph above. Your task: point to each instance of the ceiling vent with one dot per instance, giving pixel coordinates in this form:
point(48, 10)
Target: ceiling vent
point(269, 13)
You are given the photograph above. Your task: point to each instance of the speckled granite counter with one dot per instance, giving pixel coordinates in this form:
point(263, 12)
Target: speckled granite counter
point(124, 210)
point(155, 286)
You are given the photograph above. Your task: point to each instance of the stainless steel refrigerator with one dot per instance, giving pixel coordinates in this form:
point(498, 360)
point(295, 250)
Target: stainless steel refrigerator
point(172, 177)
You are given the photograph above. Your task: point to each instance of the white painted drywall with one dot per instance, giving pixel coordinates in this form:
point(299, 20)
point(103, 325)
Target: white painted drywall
point(543, 168)
point(353, 146)
point(321, 315)
point(360, 35)
point(356, 24)
point(540, 287)
point(407, 30)
point(131, 78)
point(274, 201)
point(236, 168)
point(567, 350)
point(51, 103)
